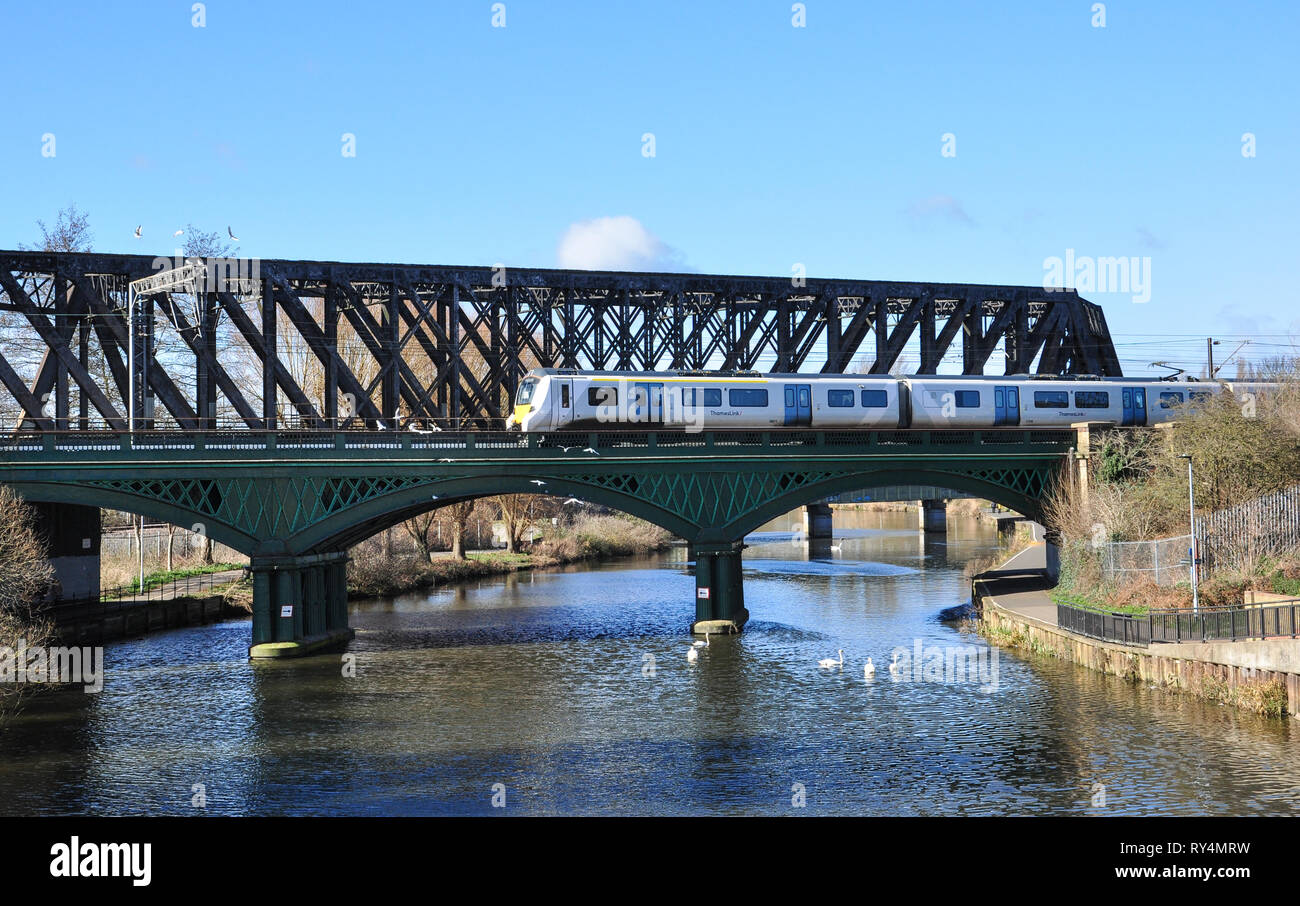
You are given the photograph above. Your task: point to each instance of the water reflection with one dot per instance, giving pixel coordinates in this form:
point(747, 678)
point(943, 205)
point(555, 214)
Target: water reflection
point(572, 688)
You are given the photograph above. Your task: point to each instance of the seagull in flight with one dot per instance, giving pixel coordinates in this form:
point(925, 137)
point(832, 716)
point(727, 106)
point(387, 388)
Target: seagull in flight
point(178, 233)
point(231, 234)
point(573, 501)
point(537, 482)
point(590, 450)
point(137, 231)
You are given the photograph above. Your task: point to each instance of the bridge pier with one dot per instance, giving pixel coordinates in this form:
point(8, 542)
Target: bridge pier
point(933, 519)
point(818, 522)
point(719, 589)
point(72, 534)
point(300, 605)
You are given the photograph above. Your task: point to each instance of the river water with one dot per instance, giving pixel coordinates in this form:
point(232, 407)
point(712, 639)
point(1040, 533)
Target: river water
point(570, 692)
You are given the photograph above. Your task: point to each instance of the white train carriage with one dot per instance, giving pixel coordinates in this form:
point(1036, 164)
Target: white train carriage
point(558, 399)
point(563, 399)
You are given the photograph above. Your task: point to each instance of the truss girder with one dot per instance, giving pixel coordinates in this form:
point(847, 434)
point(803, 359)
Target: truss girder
point(449, 345)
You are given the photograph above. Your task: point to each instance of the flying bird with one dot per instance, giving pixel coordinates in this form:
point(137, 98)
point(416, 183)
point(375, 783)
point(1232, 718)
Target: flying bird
point(178, 232)
point(232, 234)
point(537, 482)
point(572, 501)
point(590, 450)
point(137, 231)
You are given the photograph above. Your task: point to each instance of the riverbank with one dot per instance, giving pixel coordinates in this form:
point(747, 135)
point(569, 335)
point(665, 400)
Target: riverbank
point(593, 538)
point(1014, 609)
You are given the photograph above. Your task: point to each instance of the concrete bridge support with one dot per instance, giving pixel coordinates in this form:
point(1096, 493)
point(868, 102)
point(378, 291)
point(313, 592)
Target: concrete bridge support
point(71, 533)
point(300, 605)
point(933, 518)
point(818, 522)
point(719, 589)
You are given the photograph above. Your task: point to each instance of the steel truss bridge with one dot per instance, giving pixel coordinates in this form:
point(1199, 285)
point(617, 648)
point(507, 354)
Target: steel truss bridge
point(271, 344)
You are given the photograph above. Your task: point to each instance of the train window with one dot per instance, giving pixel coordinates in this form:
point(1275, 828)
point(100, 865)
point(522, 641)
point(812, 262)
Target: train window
point(1195, 395)
point(707, 396)
point(1170, 398)
point(875, 399)
point(839, 399)
point(747, 397)
point(1051, 399)
point(967, 399)
point(1091, 399)
point(564, 396)
point(526, 392)
point(602, 396)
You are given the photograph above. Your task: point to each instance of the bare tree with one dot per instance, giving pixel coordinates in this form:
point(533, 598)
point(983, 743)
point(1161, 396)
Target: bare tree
point(460, 515)
point(25, 575)
point(517, 514)
point(70, 233)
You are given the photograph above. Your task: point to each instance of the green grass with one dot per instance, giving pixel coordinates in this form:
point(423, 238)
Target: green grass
point(1083, 602)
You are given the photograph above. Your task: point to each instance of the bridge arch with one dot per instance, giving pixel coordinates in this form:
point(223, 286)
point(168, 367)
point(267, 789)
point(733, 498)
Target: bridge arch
point(359, 522)
point(1022, 503)
point(149, 507)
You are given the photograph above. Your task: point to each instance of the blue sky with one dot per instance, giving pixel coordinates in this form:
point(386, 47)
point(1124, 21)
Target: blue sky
point(774, 145)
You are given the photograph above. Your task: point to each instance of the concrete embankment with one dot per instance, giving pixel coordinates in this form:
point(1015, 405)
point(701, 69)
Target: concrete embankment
point(1015, 609)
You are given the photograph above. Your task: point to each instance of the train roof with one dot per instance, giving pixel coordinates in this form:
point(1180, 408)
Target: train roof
point(650, 375)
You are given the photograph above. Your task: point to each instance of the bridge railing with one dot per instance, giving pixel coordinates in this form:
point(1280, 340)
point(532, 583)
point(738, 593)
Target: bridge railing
point(1279, 620)
point(40, 444)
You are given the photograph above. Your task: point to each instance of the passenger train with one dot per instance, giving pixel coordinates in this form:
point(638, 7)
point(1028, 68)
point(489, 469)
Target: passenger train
point(551, 399)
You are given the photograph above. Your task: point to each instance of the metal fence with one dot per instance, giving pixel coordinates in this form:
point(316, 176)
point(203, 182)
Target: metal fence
point(1208, 624)
point(1238, 536)
point(1165, 561)
point(126, 596)
point(1109, 627)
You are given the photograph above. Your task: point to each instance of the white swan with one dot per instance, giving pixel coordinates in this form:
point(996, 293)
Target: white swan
point(828, 663)
point(704, 644)
point(868, 669)
point(895, 667)
point(692, 654)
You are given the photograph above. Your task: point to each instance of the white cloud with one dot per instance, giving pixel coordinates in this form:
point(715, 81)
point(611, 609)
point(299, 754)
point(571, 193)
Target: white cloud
point(615, 244)
point(944, 206)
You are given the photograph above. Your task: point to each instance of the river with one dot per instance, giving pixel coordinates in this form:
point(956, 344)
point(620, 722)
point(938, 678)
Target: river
point(569, 692)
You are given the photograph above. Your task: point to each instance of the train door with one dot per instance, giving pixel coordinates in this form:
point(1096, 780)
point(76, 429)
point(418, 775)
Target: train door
point(647, 403)
point(1135, 405)
point(798, 404)
point(1006, 405)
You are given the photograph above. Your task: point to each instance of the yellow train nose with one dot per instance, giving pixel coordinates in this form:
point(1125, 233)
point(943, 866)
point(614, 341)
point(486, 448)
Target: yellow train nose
point(520, 412)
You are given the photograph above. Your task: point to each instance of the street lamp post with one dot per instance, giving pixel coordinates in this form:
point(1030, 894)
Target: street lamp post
point(1191, 551)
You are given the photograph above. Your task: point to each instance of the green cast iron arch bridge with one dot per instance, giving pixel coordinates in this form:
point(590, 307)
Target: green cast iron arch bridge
point(294, 502)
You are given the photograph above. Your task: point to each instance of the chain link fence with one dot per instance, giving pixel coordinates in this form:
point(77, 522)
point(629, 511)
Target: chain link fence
point(1164, 561)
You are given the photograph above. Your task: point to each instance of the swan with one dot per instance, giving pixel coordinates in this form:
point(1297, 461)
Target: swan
point(895, 667)
point(868, 669)
point(692, 655)
point(828, 663)
point(704, 644)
